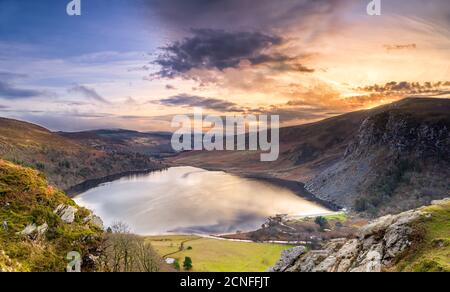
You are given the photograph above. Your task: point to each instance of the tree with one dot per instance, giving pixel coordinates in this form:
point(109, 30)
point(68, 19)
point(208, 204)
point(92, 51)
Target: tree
point(125, 252)
point(176, 265)
point(322, 222)
point(187, 265)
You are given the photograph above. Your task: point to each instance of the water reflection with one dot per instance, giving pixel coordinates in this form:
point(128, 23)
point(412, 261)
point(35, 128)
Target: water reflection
point(192, 200)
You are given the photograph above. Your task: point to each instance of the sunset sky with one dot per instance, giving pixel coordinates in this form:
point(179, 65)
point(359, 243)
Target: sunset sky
point(134, 64)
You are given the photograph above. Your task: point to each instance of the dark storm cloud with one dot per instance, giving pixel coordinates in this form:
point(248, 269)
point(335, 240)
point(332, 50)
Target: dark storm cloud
point(88, 92)
point(185, 100)
point(238, 14)
point(217, 49)
point(9, 91)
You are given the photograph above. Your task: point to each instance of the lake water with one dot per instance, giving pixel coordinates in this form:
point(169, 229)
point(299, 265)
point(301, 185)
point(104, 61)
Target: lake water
point(185, 200)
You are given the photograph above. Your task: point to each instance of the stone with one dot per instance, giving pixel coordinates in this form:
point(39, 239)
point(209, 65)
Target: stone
point(95, 220)
point(326, 265)
point(66, 213)
point(41, 230)
point(28, 230)
point(288, 257)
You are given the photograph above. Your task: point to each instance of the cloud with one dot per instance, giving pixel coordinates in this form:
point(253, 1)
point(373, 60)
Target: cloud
point(237, 14)
point(170, 87)
point(408, 88)
point(10, 75)
point(88, 92)
point(218, 49)
point(400, 47)
point(185, 100)
point(9, 91)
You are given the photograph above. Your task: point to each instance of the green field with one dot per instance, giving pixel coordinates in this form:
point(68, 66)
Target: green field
point(212, 255)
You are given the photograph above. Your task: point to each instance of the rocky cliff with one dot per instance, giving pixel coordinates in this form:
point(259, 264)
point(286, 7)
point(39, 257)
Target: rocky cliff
point(417, 240)
point(398, 160)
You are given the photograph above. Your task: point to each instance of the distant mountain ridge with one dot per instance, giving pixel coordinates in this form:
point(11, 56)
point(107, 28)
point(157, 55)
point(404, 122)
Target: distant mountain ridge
point(155, 144)
point(378, 161)
point(66, 162)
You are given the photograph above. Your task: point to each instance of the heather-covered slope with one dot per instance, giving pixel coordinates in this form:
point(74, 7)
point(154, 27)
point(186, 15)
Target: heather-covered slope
point(39, 225)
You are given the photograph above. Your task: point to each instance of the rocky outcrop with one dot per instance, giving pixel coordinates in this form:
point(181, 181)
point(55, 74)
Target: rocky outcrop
point(95, 220)
point(288, 257)
point(34, 232)
point(67, 213)
point(378, 247)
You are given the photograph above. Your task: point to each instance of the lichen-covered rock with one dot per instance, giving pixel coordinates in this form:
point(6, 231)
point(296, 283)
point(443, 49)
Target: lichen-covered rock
point(28, 230)
point(67, 213)
point(95, 220)
point(34, 232)
point(288, 257)
point(378, 246)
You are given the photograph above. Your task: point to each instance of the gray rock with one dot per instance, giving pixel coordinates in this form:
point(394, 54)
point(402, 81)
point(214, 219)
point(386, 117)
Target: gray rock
point(28, 230)
point(41, 230)
point(67, 213)
point(378, 246)
point(34, 232)
point(288, 257)
point(95, 220)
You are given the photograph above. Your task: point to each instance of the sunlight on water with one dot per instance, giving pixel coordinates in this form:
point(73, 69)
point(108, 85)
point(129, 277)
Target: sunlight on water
point(192, 200)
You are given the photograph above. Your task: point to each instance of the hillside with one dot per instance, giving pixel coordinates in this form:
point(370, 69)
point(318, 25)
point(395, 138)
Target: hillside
point(413, 241)
point(379, 161)
point(125, 141)
point(399, 159)
point(40, 225)
point(65, 162)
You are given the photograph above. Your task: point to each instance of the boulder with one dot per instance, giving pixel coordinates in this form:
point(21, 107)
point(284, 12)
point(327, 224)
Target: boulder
point(28, 230)
point(288, 257)
point(66, 213)
point(95, 220)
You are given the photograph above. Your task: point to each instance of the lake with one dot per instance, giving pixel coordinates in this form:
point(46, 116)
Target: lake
point(188, 200)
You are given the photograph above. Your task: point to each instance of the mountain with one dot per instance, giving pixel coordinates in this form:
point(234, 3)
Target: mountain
point(65, 162)
point(398, 159)
point(379, 161)
point(40, 225)
point(413, 241)
point(156, 144)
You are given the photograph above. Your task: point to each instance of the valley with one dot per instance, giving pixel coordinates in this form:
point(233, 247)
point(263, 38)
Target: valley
point(382, 161)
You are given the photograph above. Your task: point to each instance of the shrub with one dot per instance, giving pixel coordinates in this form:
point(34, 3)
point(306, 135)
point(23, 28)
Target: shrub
point(187, 265)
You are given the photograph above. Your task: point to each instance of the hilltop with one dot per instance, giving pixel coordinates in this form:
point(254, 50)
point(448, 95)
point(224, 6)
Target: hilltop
point(65, 162)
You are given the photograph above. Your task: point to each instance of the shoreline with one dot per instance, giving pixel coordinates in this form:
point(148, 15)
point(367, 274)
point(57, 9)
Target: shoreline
point(294, 186)
point(85, 186)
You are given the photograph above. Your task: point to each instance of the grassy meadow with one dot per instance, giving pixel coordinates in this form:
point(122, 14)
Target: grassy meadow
point(213, 255)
